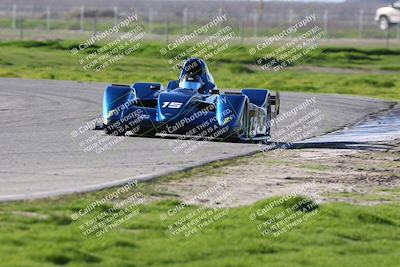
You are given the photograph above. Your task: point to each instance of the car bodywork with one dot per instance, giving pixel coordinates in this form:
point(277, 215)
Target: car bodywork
point(148, 108)
point(388, 16)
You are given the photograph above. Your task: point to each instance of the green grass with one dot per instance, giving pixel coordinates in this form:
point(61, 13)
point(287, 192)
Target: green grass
point(372, 59)
point(231, 69)
point(380, 195)
point(338, 235)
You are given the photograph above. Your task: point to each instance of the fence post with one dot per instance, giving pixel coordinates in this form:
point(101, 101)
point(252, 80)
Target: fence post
point(167, 31)
point(255, 25)
point(21, 28)
point(14, 16)
point(241, 31)
point(291, 15)
point(361, 24)
point(185, 20)
point(387, 36)
point(82, 17)
point(115, 16)
point(95, 23)
point(150, 20)
point(326, 20)
point(220, 13)
point(48, 15)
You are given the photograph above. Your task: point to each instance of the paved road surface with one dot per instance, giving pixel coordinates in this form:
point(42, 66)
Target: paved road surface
point(39, 157)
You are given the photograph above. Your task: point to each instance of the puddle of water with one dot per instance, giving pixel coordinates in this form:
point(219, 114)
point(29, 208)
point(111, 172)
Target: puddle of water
point(382, 128)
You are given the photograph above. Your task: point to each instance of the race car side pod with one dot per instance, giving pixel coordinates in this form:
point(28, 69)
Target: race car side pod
point(276, 102)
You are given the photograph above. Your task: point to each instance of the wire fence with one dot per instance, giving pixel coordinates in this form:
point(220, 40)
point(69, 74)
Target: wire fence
point(19, 21)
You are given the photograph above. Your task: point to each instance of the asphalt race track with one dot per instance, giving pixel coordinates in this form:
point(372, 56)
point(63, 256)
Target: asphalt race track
point(40, 157)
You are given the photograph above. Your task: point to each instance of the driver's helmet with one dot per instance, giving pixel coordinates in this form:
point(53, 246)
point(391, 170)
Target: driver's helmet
point(191, 81)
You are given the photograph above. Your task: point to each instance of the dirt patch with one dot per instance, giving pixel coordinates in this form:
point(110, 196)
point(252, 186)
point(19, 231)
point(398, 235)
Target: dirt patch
point(335, 174)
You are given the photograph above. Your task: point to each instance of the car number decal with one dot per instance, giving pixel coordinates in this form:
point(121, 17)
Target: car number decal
point(172, 104)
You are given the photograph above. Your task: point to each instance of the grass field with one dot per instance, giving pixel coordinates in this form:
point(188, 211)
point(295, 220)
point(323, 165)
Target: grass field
point(42, 233)
point(377, 70)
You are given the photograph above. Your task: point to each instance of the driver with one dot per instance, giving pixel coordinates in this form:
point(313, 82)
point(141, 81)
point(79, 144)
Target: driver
point(191, 81)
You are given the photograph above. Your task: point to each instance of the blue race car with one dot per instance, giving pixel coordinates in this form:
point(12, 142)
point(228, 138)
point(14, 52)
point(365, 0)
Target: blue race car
point(189, 106)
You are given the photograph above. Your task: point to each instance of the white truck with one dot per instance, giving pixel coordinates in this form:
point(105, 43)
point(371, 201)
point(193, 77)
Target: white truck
point(388, 16)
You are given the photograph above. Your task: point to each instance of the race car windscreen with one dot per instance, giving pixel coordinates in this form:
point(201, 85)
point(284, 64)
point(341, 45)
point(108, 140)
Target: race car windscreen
point(190, 85)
